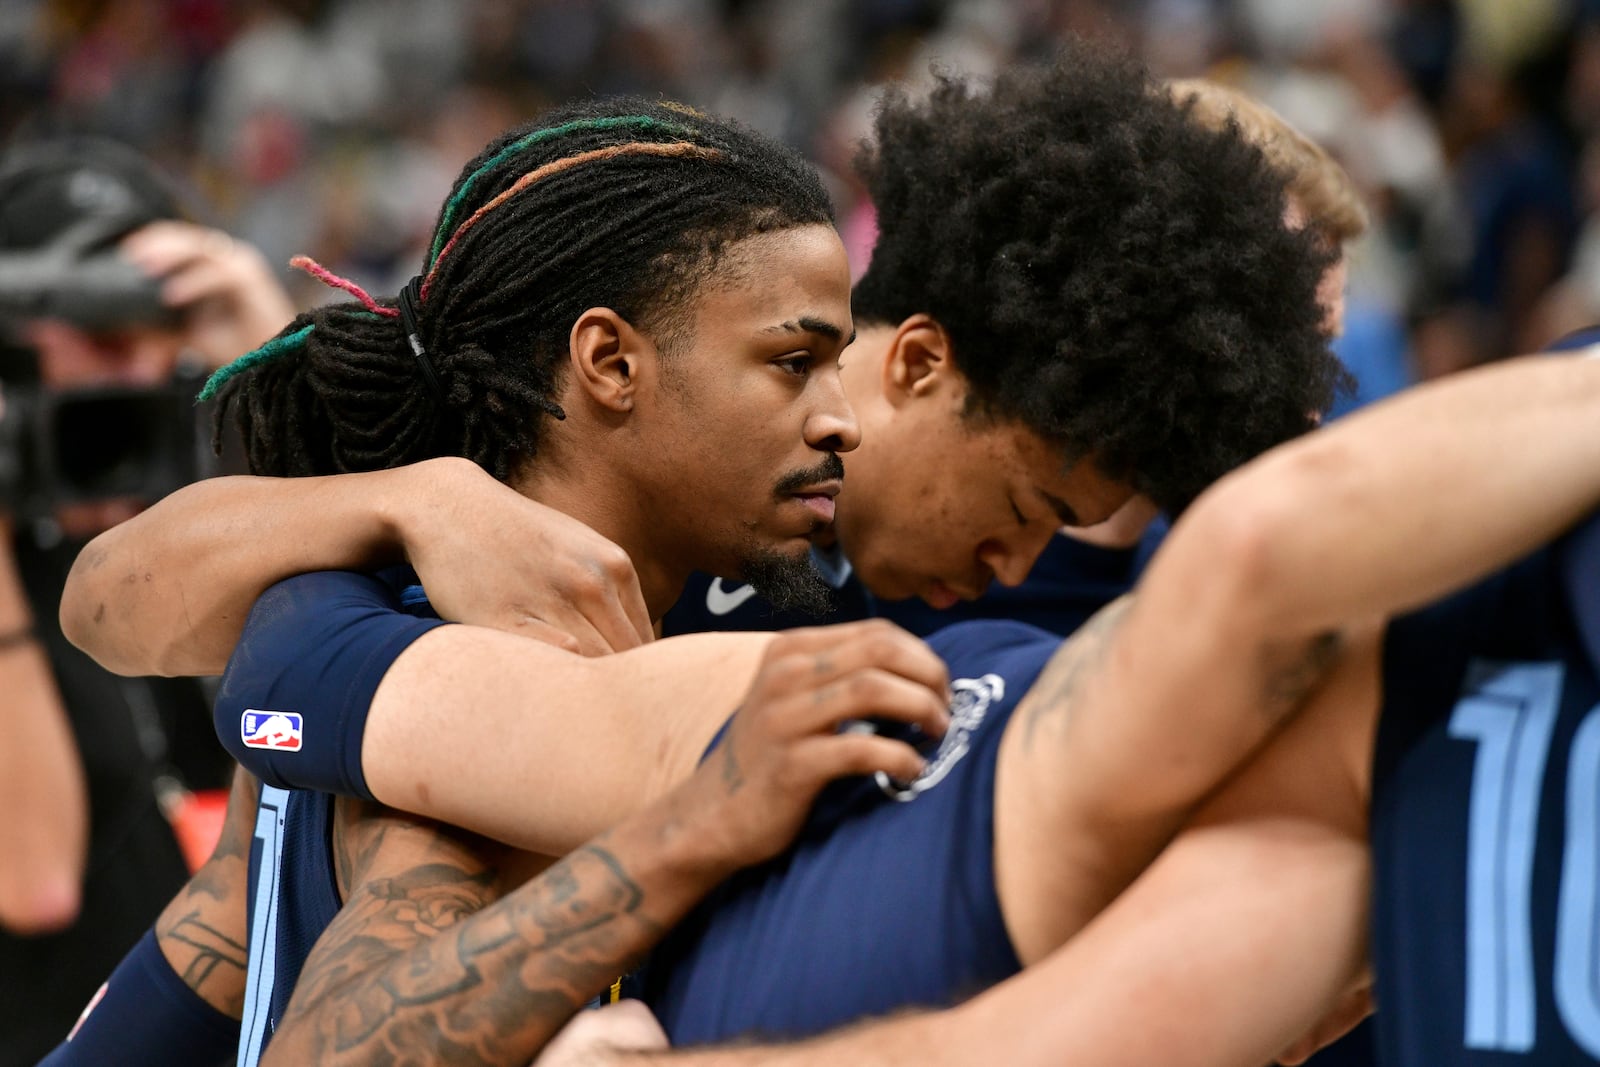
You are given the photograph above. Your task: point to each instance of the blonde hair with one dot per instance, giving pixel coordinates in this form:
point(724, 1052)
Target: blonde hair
point(1319, 184)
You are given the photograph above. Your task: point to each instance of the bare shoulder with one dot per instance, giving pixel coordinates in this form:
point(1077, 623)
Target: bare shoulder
point(1125, 732)
point(383, 857)
point(404, 880)
point(1051, 703)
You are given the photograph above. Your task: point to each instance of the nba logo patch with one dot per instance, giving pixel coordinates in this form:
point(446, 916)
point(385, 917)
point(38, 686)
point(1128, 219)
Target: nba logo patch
point(271, 729)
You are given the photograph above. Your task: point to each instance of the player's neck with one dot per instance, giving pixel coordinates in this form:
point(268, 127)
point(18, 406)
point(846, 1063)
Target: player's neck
point(612, 510)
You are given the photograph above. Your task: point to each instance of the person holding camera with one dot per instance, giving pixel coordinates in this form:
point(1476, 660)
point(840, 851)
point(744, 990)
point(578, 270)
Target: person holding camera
point(112, 304)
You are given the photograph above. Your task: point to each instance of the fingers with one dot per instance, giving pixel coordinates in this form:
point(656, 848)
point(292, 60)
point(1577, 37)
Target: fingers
point(625, 1025)
point(197, 262)
point(812, 680)
point(609, 600)
point(160, 248)
point(231, 299)
point(596, 613)
point(558, 623)
point(871, 693)
point(847, 755)
point(633, 605)
point(834, 651)
point(197, 280)
point(586, 639)
point(629, 1024)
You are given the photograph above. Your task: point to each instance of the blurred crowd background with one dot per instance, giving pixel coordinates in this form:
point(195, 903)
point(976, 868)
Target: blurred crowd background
point(334, 127)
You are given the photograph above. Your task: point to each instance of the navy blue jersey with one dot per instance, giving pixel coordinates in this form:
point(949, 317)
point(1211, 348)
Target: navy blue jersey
point(294, 895)
point(1587, 337)
point(708, 603)
point(887, 899)
point(1069, 583)
point(1486, 821)
point(314, 647)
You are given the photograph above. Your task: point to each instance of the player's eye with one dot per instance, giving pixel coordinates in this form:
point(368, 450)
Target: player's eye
point(1022, 520)
point(798, 365)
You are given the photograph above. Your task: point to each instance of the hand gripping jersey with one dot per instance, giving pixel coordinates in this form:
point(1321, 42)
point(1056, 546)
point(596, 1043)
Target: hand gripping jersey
point(1486, 822)
point(314, 646)
point(886, 900)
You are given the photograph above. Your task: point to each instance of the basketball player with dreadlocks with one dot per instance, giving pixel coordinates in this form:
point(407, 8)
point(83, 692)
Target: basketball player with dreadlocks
point(1067, 771)
point(977, 649)
point(607, 288)
point(1278, 253)
point(1126, 312)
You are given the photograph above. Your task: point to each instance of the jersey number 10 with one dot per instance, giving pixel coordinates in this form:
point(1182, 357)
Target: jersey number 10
point(1511, 713)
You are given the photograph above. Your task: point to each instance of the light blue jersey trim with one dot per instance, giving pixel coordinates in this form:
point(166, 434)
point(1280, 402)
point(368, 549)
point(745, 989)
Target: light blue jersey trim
point(262, 973)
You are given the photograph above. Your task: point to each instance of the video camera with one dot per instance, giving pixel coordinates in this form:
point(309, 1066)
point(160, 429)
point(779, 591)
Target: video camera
point(80, 278)
point(61, 447)
point(63, 208)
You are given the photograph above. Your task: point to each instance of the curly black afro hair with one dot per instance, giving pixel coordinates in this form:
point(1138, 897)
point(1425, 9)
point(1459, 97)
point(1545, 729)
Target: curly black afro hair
point(1113, 275)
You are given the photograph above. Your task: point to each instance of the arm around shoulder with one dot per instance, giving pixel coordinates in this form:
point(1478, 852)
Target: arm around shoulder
point(168, 591)
point(1480, 468)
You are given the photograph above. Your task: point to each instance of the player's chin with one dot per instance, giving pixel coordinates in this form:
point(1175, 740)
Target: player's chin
point(796, 546)
point(884, 582)
point(792, 534)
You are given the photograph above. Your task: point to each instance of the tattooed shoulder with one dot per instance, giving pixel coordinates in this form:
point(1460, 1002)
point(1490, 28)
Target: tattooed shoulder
point(372, 842)
point(1052, 696)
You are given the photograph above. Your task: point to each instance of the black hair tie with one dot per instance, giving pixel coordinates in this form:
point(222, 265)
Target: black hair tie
point(408, 322)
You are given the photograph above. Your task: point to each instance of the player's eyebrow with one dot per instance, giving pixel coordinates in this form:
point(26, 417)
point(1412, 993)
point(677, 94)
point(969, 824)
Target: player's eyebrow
point(811, 324)
point(1062, 509)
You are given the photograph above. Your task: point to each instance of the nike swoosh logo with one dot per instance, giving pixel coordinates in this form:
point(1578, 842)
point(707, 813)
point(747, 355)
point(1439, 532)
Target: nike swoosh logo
point(720, 601)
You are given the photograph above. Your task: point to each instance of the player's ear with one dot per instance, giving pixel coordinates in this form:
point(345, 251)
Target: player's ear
point(609, 358)
point(919, 362)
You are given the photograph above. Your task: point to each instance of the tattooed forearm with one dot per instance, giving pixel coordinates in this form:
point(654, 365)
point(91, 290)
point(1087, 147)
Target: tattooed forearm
point(197, 949)
point(202, 931)
point(1052, 696)
point(425, 968)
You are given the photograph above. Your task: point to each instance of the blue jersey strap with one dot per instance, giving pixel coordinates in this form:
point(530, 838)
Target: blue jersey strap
point(145, 1014)
point(294, 700)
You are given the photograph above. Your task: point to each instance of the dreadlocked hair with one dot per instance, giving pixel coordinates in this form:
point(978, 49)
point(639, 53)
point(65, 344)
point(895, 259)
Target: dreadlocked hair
point(622, 203)
point(1113, 275)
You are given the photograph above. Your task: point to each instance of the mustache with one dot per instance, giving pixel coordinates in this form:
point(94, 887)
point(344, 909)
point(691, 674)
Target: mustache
point(827, 470)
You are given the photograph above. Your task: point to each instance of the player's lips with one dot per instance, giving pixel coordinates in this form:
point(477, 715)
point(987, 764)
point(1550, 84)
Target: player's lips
point(942, 596)
point(818, 498)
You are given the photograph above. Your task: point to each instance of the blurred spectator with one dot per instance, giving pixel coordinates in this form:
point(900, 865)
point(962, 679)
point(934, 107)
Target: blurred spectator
point(103, 294)
point(330, 126)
